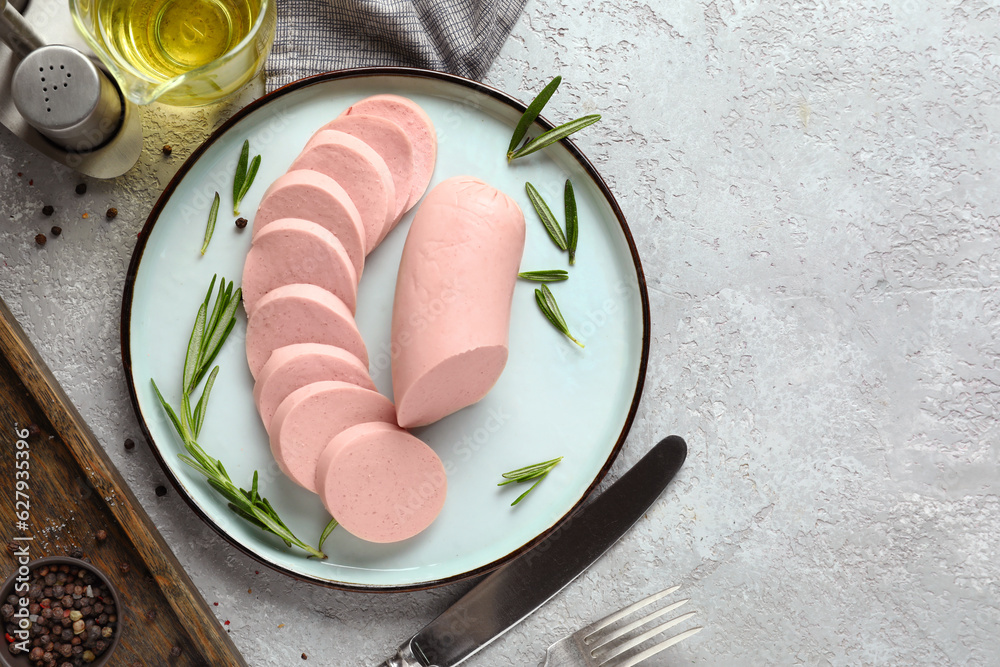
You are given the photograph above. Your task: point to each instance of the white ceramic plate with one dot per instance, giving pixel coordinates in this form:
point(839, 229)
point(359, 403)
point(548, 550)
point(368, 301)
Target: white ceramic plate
point(552, 400)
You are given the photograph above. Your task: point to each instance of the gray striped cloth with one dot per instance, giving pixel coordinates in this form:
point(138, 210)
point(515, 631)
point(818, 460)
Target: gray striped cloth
point(457, 36)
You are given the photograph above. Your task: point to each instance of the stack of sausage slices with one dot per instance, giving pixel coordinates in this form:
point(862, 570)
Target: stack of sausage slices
point(330, 430)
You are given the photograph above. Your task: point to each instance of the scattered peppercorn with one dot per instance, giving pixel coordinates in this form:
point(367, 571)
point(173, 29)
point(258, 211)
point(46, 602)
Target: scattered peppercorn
point(85, 216)
point(305, 657)
point(81, 189)
point(175, 651)
point(168, 149)
point(48, 210)
point(56, 230)
point(33, 429)
point(161, 490)
point(241, 223)
point(40, 239)
point(77, 553)
point(112, 213)
point(124, 567)
point(101, 535)
point(129, 444)
point(151, 615)
point(11, 547)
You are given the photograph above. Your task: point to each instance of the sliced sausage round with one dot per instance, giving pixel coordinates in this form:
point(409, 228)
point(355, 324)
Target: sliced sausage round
point(381, 483)
point(391, 143)
point(310, 417)
point(310, 195)
point(294, 366)
point(297, 251)
point(418, 127)
point(360, 171)
point(451, 311)
point(300, 314)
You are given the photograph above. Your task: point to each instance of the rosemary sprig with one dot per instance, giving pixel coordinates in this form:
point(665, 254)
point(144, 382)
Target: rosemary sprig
point(545, 214)
point(207, 336)
point(572, 225)
point(210, 227)
point(537, 472)
point(244, 175)
point(547, 304)
point(546, 138)
point(547, 276)
point(530, 114)
point(552, 136)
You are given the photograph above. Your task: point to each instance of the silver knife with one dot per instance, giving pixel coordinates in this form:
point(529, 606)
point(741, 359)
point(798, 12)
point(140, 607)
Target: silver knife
point(507, 596)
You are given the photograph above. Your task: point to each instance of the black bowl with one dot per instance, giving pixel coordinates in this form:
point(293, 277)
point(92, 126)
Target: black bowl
point(21, 660)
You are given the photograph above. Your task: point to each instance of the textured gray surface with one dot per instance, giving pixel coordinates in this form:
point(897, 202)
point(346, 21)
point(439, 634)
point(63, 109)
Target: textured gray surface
point(813, 188)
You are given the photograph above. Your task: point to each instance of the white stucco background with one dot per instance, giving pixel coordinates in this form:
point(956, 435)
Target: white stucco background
point(813, 188)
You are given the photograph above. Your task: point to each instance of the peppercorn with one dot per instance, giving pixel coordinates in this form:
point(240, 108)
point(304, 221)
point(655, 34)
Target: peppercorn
point(77, 553)
point(241, 223)
point(56, 230)
point(124, 567)
point(167, 149)
point(175, 651)
point(111, 213)
point(129, 444)
point(40, 239)
point(48, 210)
point(101, 535)
point(151, 615)
point(161, 491)
point(305, 657)
point(81, 189)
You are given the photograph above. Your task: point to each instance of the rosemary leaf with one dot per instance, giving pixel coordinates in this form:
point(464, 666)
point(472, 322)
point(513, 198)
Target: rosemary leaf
point(572, 225)
point(202, 406)
point(531, 113)
point(537, 472)
point(194, 345)
point(547, 304)
point(210, 227)
point(326, 532)
point(549, 220)
point(554, 135)
point(244, 178)
point(548, 276)
point(241, 174)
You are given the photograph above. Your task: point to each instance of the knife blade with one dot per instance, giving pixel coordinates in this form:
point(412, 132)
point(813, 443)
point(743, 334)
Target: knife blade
point(511, 593)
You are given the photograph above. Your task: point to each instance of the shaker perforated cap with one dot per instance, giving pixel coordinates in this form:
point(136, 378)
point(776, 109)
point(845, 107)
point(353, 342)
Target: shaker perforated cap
point(65, 96)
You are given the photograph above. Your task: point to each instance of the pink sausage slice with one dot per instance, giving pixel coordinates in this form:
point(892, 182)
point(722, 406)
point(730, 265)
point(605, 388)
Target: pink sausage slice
point(294, 366)
point(343, 438)
point(418, 127)
point(300, 314)
point(310, 417)
point(451, 313)
point(361, 171)
point(393, 146)
point(298, 251)
point(310, 195)
point(381, 483)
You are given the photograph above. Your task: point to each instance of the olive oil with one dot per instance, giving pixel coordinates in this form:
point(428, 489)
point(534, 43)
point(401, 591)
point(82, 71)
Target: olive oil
point(165, 38)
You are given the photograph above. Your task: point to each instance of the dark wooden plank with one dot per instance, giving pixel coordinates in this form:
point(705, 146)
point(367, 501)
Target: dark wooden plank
point(76, 491)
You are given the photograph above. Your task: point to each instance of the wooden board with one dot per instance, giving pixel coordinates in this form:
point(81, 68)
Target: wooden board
point(74, 491)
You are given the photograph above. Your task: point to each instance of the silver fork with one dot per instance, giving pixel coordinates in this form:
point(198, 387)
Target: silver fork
point(601, 645)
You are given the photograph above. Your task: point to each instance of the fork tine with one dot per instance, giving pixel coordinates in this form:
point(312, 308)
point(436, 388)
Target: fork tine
point(638, 639)
point(629, 627)
point(594, 627)
point(653, 650)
